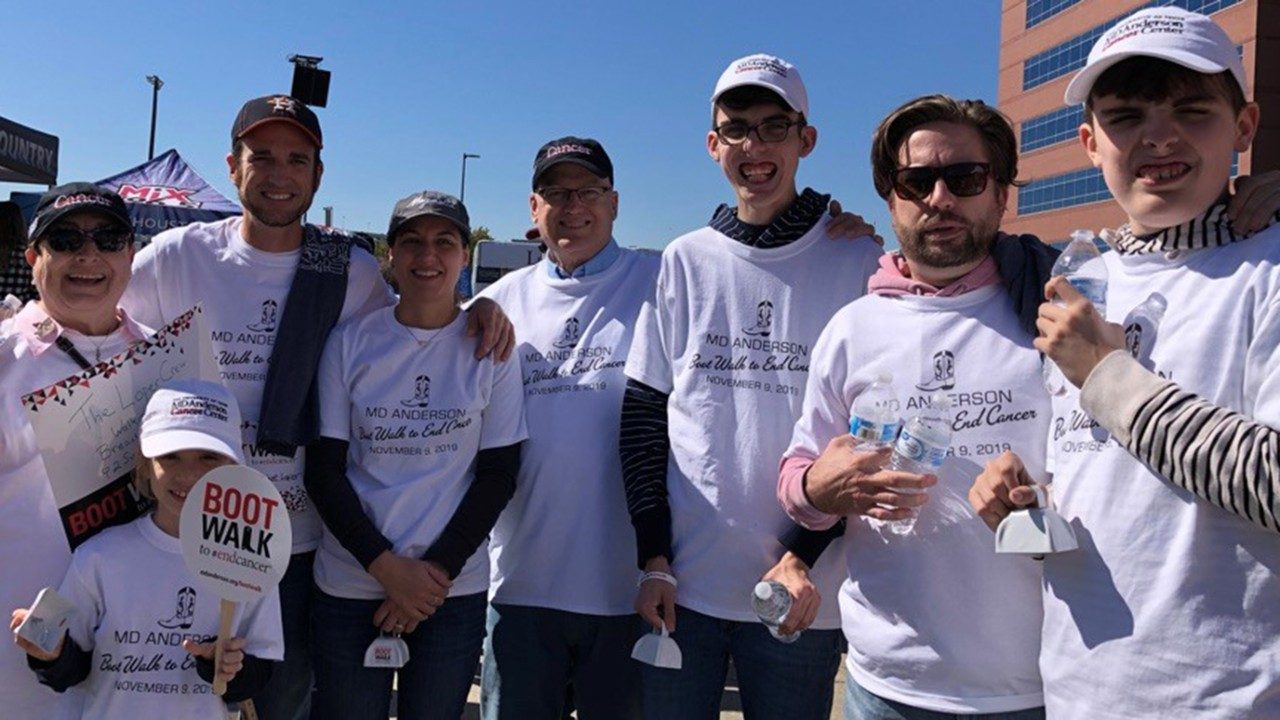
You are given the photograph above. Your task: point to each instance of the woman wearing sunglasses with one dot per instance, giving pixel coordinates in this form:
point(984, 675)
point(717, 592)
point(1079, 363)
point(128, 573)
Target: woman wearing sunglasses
point(80, 251)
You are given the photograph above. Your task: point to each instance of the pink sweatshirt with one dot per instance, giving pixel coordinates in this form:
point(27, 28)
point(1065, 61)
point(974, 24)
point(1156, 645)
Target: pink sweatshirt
point(891, 279)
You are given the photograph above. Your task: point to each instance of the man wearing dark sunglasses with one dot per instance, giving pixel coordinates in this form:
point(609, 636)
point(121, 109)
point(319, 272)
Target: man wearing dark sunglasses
point(936, 622)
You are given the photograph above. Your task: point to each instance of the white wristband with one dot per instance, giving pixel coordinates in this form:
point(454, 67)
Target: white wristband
point(658, 575)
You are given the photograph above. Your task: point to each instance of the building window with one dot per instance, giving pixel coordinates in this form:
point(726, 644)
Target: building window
point(1071, 55)
point(1040, 10)
point(1051, 128)
point(1060, 191)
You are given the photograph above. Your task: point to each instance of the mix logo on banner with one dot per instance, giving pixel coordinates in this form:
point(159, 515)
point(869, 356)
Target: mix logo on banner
point(158, 195)
point(421, 392)
point(944, 373)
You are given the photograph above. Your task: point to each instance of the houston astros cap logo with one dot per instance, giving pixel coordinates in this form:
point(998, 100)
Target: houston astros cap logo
point(281, 103)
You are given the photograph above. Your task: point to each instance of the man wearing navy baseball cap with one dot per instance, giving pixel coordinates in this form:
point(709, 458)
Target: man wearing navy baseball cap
point(561, 592)
point(272, 288)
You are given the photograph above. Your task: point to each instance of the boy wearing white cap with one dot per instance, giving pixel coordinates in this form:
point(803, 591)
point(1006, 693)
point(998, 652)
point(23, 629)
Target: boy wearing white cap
point(715, 376)
point(1166, 460)
point(141, 642)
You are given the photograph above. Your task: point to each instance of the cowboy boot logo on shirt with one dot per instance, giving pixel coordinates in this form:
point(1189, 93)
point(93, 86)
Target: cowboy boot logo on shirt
point(421, 392)
point(764, 320)
point(568, 338)
point(944, 372)
point(186, 611)
point(267, 323)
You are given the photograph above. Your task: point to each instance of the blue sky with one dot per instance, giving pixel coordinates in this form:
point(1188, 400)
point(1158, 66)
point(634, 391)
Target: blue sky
point(417, 84)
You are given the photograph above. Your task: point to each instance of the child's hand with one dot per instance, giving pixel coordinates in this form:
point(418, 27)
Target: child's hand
point(232, 656)
point(29, 647)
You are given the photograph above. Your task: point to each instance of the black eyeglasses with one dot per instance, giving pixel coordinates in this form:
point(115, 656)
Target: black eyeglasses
point(963, 180)
point(70, 239)
point(562, 196)
point(773, 130)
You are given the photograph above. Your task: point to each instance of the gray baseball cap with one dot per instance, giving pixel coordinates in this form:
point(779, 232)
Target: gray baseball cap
point(429, 202)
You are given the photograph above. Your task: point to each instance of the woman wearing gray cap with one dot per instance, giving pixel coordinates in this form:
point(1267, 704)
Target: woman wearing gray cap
point(80, 250)
point(419, 448)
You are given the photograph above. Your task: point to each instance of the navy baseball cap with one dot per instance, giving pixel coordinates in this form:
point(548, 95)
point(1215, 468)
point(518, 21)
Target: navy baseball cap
point(586, 152)
point(78, 197)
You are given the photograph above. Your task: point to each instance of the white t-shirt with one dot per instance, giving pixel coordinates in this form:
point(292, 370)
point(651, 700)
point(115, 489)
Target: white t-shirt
point(729, 338)
point(135, 603)
point(562, 542)
point(34, 553)
point(244, 291)
point(415, 415)
point(936, 619)
point(1171, 607)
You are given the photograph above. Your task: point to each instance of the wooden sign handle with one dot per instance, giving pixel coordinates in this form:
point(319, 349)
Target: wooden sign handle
point(226, 609)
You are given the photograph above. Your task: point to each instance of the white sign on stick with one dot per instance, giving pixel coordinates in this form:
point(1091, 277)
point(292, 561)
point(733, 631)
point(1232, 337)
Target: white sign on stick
point(236, 539)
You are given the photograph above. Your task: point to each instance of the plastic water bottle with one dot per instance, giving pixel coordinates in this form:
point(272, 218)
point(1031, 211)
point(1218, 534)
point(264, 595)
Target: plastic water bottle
point(1140, 326)
point(875, 417)
point(921, 448)
point(1081, 264)
point(772, 602)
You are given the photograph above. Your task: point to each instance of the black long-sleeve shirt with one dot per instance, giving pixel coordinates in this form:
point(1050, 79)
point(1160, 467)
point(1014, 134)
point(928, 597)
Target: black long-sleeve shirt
point(325, 476)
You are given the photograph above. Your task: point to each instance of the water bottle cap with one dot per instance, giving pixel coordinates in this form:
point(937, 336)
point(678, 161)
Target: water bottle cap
point(764, 590)
point(1085, 235)
point(1158, 301)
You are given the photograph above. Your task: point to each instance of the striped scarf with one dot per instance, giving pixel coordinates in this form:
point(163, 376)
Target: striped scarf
point(1210, 229)
point(790, 226)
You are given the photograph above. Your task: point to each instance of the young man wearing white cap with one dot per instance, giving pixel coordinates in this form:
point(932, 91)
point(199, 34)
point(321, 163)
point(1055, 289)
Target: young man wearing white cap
point(715, 374)
point(1166, 460)
point(272, 288)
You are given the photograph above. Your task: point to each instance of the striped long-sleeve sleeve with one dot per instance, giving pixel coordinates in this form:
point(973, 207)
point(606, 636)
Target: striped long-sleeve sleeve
point(1224, 457)
point(644, 445)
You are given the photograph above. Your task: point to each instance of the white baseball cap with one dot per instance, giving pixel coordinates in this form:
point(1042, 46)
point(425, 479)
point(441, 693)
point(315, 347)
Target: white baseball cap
point(191, 415)
point(769, 72)
point(1188, 39)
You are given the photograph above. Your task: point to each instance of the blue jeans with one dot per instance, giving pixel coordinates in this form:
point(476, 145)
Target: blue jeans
point(532, 653)
point(860, 704)
point(287, 696)
point(776, 680)
point(443, 654)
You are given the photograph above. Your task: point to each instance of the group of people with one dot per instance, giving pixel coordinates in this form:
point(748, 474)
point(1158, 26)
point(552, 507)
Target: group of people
point(471, 503)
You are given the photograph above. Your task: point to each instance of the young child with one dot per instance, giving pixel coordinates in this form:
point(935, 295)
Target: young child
point(1166, 460)
point(141, 642)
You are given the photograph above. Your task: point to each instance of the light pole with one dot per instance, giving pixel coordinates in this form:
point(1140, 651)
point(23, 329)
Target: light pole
point(156, 84)
point(462, 194)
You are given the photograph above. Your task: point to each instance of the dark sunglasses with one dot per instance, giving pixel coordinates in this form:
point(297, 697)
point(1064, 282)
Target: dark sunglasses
point(963, 180)
point(71, 239)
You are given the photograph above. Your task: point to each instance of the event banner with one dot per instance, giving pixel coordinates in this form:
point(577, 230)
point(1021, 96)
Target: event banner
point(86, 425)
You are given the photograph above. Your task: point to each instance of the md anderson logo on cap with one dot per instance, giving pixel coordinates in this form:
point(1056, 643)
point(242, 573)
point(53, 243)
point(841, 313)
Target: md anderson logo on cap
point(1167, 24)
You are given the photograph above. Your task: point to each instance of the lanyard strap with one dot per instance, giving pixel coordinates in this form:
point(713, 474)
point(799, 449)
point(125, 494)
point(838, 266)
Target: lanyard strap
point(65, 346)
